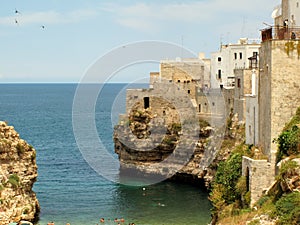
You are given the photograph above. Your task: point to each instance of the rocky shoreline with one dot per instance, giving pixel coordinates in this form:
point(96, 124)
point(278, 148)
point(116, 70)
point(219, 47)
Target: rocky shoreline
point(18, 172)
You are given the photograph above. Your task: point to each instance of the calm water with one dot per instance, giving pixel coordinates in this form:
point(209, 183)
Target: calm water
point(67, 188)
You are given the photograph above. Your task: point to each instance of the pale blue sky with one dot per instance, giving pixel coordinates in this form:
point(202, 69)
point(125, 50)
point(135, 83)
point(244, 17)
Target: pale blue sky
point(78, 32)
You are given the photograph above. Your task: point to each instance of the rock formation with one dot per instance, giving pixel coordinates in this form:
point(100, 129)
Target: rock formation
point(141, 143)
point(18, 172)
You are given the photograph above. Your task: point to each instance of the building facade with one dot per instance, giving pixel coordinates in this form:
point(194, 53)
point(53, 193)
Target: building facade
point(231, 57)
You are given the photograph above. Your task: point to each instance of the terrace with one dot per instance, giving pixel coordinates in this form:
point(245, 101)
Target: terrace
point(280, 33)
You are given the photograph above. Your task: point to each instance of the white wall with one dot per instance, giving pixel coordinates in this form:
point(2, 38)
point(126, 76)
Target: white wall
point(233, 56)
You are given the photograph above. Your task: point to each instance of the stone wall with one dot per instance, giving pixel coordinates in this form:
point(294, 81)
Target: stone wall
point(243, 87)
point(279, 87)
point(251, 126)
point(256, 172)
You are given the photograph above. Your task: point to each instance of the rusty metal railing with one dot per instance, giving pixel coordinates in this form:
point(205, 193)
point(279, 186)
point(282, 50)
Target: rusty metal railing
point(280, 33)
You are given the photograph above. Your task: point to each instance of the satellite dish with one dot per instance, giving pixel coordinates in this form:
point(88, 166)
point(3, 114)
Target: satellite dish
point(276, 12)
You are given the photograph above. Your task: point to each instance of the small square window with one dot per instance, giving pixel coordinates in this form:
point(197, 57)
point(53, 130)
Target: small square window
point(219, 59)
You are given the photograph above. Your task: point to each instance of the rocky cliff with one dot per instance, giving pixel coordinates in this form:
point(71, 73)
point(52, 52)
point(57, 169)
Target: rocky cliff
point(18, 172)
point(145, 158)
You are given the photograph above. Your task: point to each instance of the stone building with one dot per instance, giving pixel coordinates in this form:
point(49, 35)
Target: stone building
point(278, 97)
point(192, 77)
point(245, 85)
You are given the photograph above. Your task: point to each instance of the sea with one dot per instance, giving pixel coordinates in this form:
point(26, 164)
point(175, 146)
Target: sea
point(68, 189)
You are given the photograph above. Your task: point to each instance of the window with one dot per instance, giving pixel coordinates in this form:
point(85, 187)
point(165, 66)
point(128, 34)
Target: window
point(213, 104)
point(189, 91)
point(199, 107)
point(297, 4)
point(235, 55)
point(255, 54)
point(241, 55)
point(219, 74)
point(219, 59)
point(146, 102)
point(239, 83)
point(178, 81)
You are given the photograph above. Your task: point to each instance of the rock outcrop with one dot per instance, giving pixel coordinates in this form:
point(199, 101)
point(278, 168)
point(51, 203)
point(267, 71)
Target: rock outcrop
point(142, 145)
point(18, 172)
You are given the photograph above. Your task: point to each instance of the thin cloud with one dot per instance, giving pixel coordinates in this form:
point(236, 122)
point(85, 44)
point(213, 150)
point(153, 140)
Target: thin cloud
point(154, 15)
point(47, 17)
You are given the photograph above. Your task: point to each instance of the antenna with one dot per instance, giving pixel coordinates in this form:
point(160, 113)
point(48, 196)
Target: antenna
point(243, 27)
point(181, 46)
point(221, 41)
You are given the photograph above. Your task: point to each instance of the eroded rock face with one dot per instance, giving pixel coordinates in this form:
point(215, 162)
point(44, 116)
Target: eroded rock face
point(145, 142)
point(18, 172)
point(140, 147)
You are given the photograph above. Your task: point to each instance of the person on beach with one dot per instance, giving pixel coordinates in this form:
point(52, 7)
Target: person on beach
point(102, 220)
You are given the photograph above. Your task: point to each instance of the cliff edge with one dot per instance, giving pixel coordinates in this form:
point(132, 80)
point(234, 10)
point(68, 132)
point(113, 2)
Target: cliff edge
point(18, 172)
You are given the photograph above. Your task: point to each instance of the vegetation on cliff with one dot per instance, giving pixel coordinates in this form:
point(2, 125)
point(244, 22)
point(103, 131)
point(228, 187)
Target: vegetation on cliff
point(289, 140)
point(281, 205)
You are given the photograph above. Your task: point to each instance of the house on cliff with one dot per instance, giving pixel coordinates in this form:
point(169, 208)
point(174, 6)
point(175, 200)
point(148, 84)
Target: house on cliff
point(231, 57)
point(278, 94)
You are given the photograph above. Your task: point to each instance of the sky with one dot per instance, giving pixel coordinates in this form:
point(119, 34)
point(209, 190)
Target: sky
point(58, 40)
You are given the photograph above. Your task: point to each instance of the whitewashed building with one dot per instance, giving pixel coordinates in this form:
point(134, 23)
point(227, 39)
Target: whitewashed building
point(231, 57)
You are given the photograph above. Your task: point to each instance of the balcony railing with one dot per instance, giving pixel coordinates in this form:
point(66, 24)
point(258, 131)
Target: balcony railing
point(280, 33)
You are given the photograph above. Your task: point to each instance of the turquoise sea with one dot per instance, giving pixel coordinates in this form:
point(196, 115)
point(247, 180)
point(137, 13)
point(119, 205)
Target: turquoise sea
point(69, 191)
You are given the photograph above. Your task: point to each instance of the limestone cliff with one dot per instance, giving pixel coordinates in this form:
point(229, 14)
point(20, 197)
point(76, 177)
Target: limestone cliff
point(18, 172)
point(131, 137)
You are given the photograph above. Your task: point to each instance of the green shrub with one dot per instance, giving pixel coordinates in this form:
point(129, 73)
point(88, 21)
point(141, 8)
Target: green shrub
point(176, 127)
point(25, 210)
point(263, 200)
point(14, 180)
point(203, 123)
point(20, 148)
point(288, 143)
point(288, 209)
point(227, 175)
point(287, 169)
point(254, 222)
point(289, 140)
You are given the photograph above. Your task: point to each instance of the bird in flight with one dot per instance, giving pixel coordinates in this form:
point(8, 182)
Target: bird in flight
point(17, 11)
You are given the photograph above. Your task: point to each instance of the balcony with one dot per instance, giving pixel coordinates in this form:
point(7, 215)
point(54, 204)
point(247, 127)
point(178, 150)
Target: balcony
point(280, 33)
